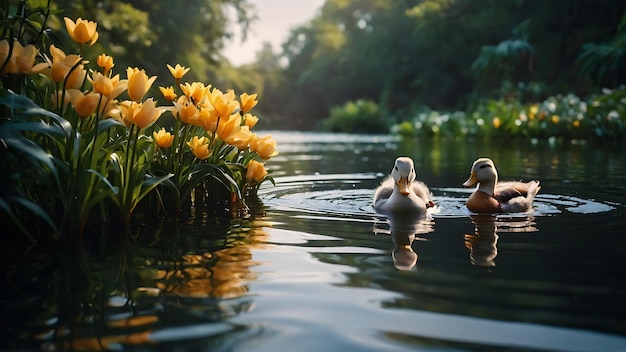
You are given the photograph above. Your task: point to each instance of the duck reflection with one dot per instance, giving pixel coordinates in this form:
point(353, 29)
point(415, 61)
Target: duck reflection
point(482, 244)
point(404, 229)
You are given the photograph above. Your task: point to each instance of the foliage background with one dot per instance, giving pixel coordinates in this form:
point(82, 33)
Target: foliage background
point(407, 56)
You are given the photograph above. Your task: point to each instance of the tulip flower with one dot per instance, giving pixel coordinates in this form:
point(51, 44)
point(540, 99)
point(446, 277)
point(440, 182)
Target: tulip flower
point(5, 60)
point(84, 104)
point(207, 119)
point(59, 67)
point(141, 114)
point(105, 62)
point(224, 103)
point(195, 91)
point(229, 127)
point(186, 111)
point(265, 147)
point(250, 120)
point(178, 72)
point(200, 147)
point(168, 93)
point(241, 139)
point(138, 83)
point(108, 87)
point(248, 102)
point(82, 31)
point(22, 58)
point(163, 138)
point(256, 172)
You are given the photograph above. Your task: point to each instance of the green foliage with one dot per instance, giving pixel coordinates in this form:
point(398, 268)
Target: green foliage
point(600, 118)
point(605, 62)
point(362, 116)
point(445, 54)
point(155, 33)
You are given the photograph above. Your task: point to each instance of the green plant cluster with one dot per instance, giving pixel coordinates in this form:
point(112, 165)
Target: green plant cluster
point(361, 116)
point(600, 117)
point(81, 147)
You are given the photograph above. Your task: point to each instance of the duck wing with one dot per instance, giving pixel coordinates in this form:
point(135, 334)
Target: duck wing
point(516, 196)
point(421, 190)
point(385, 189)
point(505, 191)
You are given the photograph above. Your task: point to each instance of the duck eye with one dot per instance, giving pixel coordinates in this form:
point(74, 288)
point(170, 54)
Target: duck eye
point(395, 167)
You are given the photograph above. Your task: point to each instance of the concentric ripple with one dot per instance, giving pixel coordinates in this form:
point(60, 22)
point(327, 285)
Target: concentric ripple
point(350, 196)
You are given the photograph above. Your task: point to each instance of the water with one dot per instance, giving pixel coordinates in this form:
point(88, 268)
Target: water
point(315, 268)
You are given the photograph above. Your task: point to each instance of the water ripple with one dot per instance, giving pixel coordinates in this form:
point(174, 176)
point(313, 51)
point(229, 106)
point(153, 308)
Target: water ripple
point(350, 196)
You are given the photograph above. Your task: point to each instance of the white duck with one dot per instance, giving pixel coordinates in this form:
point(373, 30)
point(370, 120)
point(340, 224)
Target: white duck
point(400, 192)
point(492, 196)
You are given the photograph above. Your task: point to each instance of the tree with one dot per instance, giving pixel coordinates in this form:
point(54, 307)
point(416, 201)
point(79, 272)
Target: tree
point(153, 33)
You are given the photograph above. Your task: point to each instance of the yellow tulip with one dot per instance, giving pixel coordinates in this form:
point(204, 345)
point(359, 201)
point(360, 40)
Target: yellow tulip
point(265, 147)
point(142, 114)
point(256, 172)
point(186, 111)
point(195, 92)
point(84, 104)
point(200, 147)
point(248, 102)
point(178, 72)
point(224, 104)
point(168, 93)
point(250, 120)
point(105, 62)
point(82, 31)
point(8, 61)
point(228, 127)
point(207, 119)
point(26, 60)
point(138, 83)
point(59, 67)
point(163, 138)
point(108, 87)
point(576, 123)
point(22, 58)
point(241, 138)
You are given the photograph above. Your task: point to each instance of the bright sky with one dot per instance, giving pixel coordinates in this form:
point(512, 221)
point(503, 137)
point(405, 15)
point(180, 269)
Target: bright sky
point(275, 19)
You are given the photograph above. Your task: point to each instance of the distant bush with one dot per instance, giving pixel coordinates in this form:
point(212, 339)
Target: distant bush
point(600, 117)
point(362, 116)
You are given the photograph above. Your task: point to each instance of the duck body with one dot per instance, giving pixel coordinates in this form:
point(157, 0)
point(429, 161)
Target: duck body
point(401, 193)
point(492, 196)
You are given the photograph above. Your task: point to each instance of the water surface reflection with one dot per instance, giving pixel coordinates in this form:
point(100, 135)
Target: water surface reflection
point(315, 268)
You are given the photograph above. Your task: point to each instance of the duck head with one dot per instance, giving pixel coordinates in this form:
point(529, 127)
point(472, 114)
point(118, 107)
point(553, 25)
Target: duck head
point(403, 174)
point(483, 170)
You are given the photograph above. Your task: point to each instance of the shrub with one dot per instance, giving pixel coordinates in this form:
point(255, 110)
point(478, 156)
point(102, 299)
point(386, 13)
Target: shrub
point(362, 116)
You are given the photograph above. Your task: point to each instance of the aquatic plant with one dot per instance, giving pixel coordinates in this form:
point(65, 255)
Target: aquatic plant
point(86, 146)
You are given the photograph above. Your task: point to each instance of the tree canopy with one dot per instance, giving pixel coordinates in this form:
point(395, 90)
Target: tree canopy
point(404, 55)
point(447, 53)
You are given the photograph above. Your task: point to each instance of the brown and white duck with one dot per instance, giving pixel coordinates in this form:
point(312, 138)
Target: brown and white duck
point(492, 196)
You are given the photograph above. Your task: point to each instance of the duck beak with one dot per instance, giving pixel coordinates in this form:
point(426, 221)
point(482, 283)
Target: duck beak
point(472, 180)
point(403, 185)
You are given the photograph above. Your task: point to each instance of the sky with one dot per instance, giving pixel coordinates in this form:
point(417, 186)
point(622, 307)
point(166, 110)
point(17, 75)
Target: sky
point(275, 19)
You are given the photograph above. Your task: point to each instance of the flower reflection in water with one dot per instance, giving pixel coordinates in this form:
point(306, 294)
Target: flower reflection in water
point(130, 293)
point(482, 244)
point(404, 229)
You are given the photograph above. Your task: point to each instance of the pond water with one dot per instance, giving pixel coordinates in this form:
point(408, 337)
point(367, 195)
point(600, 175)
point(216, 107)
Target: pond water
point(315, 268)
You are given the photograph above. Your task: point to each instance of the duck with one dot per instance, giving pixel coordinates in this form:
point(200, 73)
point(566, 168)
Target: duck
point(400, 192)
point(492, 196)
